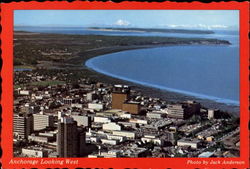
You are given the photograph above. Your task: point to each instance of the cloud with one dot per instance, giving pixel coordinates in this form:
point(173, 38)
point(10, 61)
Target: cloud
point(219, 26)
point(197, 26)
point(121, 22)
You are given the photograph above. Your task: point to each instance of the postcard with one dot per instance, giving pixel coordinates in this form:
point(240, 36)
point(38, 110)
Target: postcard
point(125, 85)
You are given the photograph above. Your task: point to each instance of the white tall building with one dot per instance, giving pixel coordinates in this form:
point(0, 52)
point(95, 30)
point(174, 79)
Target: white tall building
point(210, 114)
point(41, 121)
point(82, 120)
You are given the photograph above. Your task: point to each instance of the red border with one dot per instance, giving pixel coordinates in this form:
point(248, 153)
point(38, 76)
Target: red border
point(7, 77)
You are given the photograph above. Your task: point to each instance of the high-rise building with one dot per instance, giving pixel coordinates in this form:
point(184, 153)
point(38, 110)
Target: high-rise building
point(210, 114)
point(42, 121)
point(119, 95)
point(70, 138)
point(82, 120)
point(131, 107)
point(213, 114)
point(23, 125)
point(176, 111)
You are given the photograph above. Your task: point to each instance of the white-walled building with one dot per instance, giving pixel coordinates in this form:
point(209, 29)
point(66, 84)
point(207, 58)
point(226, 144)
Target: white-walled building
point(24, 92)
point(186, 142)
point(107, 141)
point(127, 134)
point(111, 126)
point(41, 121)
point(115, 137)
point(34, 153)
point(125, 115)
point(77, 105)
point(101, 119)
point(82, 120)
point(210, 114)
point(138, 121)
point(96, 106)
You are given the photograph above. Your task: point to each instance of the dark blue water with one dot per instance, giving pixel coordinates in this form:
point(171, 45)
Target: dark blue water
point(22, 69)
point(209, 72)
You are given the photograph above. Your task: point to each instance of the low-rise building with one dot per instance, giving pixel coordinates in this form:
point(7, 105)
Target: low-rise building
point(127, 134)
point(155, 115)
point(101, 119)
point(40, 139)
point(138, 121)
point(111, 126)
point(96, 106)
point(110, 142)
point(193, 143)
point(115, 137)
point(30, 152)
point(77, 105)
point(24, 92)
point(156, 141)
point(136, 152)
point(125, 115)
point(206, 154)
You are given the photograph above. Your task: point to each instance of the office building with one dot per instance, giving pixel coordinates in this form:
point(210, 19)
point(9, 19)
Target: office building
point(42, 121)
point(178, 111)
point(210, 114)
point(23, 125)
point(82, 120)
point(119, 95)
point(213, 114)
point(70, 138)
point(131, 107)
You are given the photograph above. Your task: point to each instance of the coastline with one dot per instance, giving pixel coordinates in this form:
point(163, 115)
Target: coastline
point(89, 63)
point(147, 90)
point(78, 62)
point(169, 96)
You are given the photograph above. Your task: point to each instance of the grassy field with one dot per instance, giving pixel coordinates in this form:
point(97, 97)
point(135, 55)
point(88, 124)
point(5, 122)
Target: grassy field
point(42, 83)
point(30, 49)
point(24, 67)
point(47, 83)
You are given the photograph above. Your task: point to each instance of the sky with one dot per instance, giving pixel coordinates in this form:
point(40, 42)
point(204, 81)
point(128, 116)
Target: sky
point(193, 19)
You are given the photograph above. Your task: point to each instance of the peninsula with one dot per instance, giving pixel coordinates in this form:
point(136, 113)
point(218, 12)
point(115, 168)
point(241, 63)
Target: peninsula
point(34, 48)
point(158, 30)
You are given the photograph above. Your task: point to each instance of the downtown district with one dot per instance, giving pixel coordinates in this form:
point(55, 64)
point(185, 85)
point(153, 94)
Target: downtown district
point(55, 117)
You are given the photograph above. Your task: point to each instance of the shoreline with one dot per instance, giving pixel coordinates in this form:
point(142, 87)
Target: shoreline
point(78, 62)
point(90, 65)
point(171, 97)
